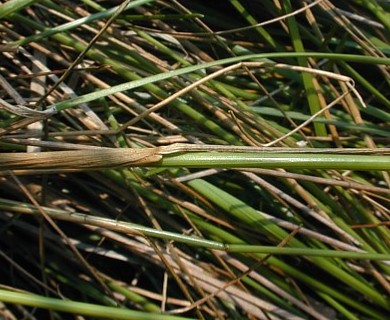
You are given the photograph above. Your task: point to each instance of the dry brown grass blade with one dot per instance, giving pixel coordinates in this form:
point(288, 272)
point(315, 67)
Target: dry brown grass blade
point(78, 159)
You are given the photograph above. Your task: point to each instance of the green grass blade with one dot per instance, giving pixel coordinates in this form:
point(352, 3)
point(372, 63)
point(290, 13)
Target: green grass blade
point(10, 7)
point(80, 308)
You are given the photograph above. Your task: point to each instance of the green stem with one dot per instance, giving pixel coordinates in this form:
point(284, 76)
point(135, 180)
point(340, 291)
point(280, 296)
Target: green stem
point(307, 78)
point(12, 6)
point(127, 227)
point(308, 252)
point(286, 161)
point(80, 308)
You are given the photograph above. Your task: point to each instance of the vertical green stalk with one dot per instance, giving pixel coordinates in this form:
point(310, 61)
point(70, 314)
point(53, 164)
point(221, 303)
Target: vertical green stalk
point(307, 78)
point(248, 17)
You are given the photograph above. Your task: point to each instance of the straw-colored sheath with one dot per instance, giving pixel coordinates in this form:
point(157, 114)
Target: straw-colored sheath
point(78, 159)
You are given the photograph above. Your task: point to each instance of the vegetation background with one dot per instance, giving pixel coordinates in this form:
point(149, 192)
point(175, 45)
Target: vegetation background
point(221, 235)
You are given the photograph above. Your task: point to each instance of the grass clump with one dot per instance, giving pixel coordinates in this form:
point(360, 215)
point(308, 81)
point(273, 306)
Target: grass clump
point(274, 204)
